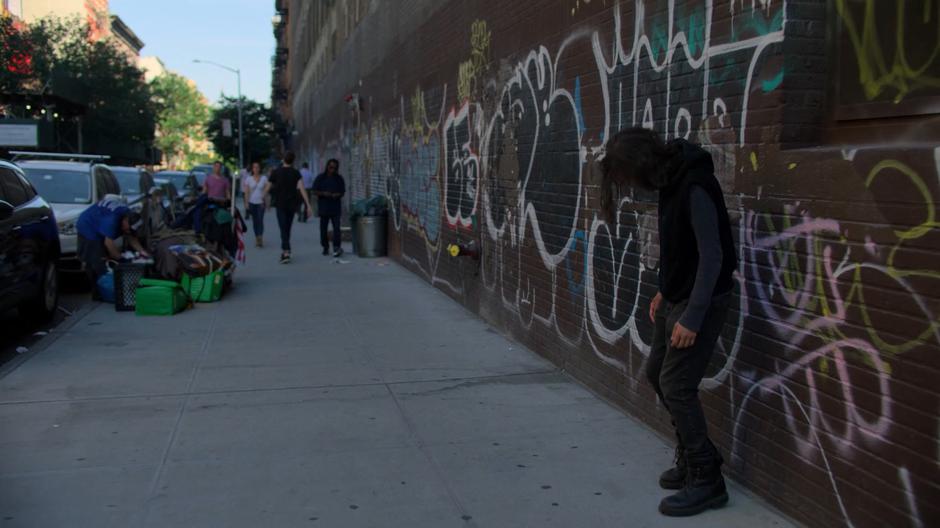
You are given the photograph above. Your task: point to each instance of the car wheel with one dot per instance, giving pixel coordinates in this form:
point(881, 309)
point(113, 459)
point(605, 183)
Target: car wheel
point(43, 306)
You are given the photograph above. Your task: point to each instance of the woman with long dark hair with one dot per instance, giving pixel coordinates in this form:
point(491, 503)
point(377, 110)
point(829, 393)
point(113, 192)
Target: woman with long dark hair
point(697, 262)
point(254, 191)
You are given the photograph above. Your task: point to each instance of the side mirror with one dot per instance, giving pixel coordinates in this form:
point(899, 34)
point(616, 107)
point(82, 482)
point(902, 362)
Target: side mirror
point(6, 210)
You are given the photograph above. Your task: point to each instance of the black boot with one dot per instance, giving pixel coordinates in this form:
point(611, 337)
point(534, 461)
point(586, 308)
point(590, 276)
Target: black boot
point(674, 478)
point(704, 489)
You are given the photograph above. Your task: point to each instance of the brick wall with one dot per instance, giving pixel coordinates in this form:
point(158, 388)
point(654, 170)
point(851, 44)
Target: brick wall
point(481, 121)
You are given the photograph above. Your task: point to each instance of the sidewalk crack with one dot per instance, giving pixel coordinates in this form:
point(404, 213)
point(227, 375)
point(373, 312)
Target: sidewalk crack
point(422, 447)
point(161, 468)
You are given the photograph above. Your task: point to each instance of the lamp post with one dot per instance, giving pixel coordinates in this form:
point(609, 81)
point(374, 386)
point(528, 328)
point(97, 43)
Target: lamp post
point(241, 152)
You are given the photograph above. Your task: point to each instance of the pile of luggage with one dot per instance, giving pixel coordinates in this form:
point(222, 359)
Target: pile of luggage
point(191, 263)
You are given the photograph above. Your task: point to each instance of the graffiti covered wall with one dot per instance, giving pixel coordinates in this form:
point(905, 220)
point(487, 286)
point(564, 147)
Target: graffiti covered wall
point(485, 122)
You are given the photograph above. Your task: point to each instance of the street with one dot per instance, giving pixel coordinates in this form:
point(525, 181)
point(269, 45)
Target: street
point(320, 393)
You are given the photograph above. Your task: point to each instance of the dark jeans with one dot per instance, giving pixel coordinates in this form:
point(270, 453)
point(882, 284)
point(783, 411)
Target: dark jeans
point(676, 373)
point(257, 218)
point(92, 254)
point(285, 219)
point(337, 234)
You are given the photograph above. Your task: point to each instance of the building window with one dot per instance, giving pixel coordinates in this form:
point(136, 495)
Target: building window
point(888, 58)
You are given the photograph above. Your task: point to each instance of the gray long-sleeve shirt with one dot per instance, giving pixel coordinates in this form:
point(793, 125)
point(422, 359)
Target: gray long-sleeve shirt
point(705, 225)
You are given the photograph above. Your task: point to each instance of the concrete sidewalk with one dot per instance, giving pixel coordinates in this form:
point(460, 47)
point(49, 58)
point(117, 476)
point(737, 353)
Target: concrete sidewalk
point(320, 394)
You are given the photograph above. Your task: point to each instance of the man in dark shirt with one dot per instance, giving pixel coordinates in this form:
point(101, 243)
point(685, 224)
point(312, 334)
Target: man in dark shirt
point(697, 263)
point(286, 187)
point(329, 188)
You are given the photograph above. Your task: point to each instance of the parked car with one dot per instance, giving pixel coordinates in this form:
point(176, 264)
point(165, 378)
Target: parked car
point(70, 187)
point(183, 181)
point(29, 248)
point(205, 169)
point(135, 182)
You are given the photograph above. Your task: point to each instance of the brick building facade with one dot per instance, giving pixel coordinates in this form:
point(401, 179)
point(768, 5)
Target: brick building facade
point(481, 121)
point(93, 12)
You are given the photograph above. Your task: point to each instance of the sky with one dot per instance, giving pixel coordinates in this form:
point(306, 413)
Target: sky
point(236, 33)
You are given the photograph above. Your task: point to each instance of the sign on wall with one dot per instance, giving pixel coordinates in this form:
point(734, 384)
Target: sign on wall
point(19, 135)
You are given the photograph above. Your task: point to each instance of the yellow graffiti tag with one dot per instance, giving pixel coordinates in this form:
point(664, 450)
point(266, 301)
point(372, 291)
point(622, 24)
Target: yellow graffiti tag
point(418, 111)
point(875, 72)
point(469, 69)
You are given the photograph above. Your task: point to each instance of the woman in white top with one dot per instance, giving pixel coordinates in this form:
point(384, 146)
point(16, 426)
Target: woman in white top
point(254, 192)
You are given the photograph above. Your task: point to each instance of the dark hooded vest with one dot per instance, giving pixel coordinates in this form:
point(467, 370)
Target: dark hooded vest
point(678, 257)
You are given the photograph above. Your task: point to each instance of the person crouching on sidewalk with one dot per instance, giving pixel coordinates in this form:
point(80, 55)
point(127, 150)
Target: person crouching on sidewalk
point(697, 262)
point(99, 227)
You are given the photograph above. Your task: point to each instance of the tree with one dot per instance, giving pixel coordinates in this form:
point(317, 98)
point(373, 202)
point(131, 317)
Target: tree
point(258, 120)
point(182, 116)
point(53, 56)
point(120, 110)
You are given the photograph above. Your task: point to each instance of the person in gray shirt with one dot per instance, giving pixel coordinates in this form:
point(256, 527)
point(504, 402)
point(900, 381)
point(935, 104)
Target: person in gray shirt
point(695, 283)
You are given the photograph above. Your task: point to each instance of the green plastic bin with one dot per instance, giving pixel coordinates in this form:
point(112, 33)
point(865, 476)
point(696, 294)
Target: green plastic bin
point(204, 289)
point(158, 297)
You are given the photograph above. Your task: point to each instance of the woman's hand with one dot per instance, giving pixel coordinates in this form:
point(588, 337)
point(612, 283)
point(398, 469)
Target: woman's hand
point(654, 306)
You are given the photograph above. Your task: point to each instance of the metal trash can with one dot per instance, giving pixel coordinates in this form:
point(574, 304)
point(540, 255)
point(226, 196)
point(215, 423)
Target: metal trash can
point(371, 236)
point(354, 234)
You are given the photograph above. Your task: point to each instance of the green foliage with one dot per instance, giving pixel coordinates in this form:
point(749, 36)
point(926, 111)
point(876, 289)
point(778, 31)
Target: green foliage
point(63, 60)
point(182, 116)
point(258, 121)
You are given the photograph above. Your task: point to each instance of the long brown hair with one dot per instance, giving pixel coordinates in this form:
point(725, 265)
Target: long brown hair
point(634, 157)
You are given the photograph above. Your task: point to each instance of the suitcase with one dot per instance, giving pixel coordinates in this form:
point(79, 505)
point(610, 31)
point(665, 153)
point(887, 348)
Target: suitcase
point(204, 289)
point(159, 297)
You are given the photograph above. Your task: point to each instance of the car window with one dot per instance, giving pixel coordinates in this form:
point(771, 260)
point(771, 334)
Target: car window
point(30, 191)
point(200, 176)
point(13, 190)
point(61, 186)
point(129, 180)
point(178, 179)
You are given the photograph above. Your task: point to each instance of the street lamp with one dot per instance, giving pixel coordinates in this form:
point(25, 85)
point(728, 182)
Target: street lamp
point(241, 152)
point(238, 73)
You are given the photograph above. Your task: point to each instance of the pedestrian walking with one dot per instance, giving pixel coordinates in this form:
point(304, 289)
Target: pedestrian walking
point(308, 184)
point(286, 187)
point(329, 187)
point(253, 192)
point(697, 262)
point(217, 186)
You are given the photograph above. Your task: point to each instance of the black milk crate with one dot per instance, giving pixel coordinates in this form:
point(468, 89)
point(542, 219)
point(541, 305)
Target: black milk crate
point(126, 280)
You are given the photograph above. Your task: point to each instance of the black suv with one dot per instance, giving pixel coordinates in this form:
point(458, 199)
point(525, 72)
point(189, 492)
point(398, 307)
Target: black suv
point(29, 248)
